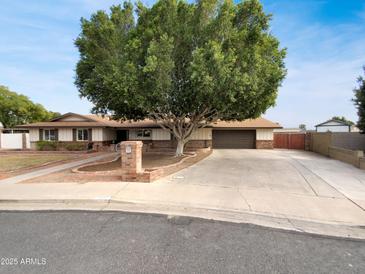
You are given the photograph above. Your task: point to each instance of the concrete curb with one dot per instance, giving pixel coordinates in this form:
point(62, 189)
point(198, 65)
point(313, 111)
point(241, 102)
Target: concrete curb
point(339, 230)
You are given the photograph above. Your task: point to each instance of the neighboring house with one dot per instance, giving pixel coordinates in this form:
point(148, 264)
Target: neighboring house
point(354, 129)
point(100, 132)
point(336, 126)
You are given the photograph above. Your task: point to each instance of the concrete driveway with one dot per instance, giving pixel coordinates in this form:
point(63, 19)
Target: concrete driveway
point(280, 171)
point(286, 189)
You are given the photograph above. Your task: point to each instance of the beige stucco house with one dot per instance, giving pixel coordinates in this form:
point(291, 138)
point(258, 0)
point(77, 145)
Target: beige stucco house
point(92, 131)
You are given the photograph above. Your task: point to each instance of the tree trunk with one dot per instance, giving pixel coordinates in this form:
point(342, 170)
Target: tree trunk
point(180, 148)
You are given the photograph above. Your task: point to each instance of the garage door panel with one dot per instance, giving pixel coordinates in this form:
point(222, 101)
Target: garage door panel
point(234, 138)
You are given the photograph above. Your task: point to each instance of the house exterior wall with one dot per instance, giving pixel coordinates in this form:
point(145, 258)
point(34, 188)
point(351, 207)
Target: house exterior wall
point(97, 134)
point(65, 134)
point(108, 134)
point(354, 129)
point(133, 135)
point(264, 134)
point(34, 134)
point(159, 134)
point(201, 134)
point(333, 128)
point(264, 138)
point(200, 138)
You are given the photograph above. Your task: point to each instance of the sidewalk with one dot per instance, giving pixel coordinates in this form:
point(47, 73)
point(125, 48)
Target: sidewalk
point(337, 216)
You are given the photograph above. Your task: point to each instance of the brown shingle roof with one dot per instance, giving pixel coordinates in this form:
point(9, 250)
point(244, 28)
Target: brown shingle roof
point(64, 124)
point(90, 121)
point(99, 121)
point(249, 123)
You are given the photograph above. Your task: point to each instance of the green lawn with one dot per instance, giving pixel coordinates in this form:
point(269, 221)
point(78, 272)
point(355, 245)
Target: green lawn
point(20, 161)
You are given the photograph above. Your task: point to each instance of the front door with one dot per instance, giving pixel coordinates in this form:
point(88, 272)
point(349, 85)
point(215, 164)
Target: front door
point(122, 135)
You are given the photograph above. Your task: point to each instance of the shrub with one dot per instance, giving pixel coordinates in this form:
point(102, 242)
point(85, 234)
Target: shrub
point(46, 145)
point(75, 146)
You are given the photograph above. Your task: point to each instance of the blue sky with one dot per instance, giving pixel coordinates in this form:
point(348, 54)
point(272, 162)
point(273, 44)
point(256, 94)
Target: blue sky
point(325, 41)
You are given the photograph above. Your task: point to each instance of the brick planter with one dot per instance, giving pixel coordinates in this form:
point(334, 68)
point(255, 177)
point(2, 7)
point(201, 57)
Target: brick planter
point(147, 175)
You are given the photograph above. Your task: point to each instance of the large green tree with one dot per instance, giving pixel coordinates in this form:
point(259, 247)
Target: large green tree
point(16, 109)
point(184, 65)
point(359, 101)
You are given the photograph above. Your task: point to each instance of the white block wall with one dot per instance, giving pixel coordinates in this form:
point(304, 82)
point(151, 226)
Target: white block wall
point(13, 140)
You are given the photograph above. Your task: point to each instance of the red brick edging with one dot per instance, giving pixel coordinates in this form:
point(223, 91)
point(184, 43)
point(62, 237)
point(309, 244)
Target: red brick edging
point(148, 175)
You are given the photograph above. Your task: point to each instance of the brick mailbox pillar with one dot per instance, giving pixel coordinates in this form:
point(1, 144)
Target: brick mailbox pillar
point(131, 153)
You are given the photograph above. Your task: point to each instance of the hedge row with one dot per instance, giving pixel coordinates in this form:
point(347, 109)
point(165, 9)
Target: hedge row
point(53, 146)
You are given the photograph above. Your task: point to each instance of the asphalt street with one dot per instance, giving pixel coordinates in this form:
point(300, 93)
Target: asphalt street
point(115, 242)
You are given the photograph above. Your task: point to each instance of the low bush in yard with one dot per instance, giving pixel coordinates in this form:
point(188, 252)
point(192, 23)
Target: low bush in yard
point(74, 146)
point(46, 145)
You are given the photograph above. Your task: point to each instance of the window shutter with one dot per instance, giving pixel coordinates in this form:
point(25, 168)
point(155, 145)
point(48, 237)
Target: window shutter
point(56, 134)
point(40, 134)
point(74, 134)
point(90, 135)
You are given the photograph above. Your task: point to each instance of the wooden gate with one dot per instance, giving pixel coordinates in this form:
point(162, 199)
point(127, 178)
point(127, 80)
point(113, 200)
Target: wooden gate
point(289, 140)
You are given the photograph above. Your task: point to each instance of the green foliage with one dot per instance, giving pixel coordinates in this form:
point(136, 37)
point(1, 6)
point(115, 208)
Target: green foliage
point(343, 119)
point(46, 145)
point(303, 127)
point(359, 101)
point(180, 62)
point(16, 109)
point(55, 145)
point(180, 58)
point(74, 146)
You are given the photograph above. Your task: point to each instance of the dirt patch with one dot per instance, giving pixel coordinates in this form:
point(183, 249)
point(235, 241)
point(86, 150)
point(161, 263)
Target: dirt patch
point(67, 176)
point(12, 164)
point(149, 160)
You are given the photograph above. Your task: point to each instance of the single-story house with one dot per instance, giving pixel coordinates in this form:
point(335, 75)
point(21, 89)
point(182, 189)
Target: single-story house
point(99, 132)
point(333, 125)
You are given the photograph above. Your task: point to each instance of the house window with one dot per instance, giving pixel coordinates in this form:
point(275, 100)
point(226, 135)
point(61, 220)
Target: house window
point(82, 135)
point(144, 133)
point(49, 135)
